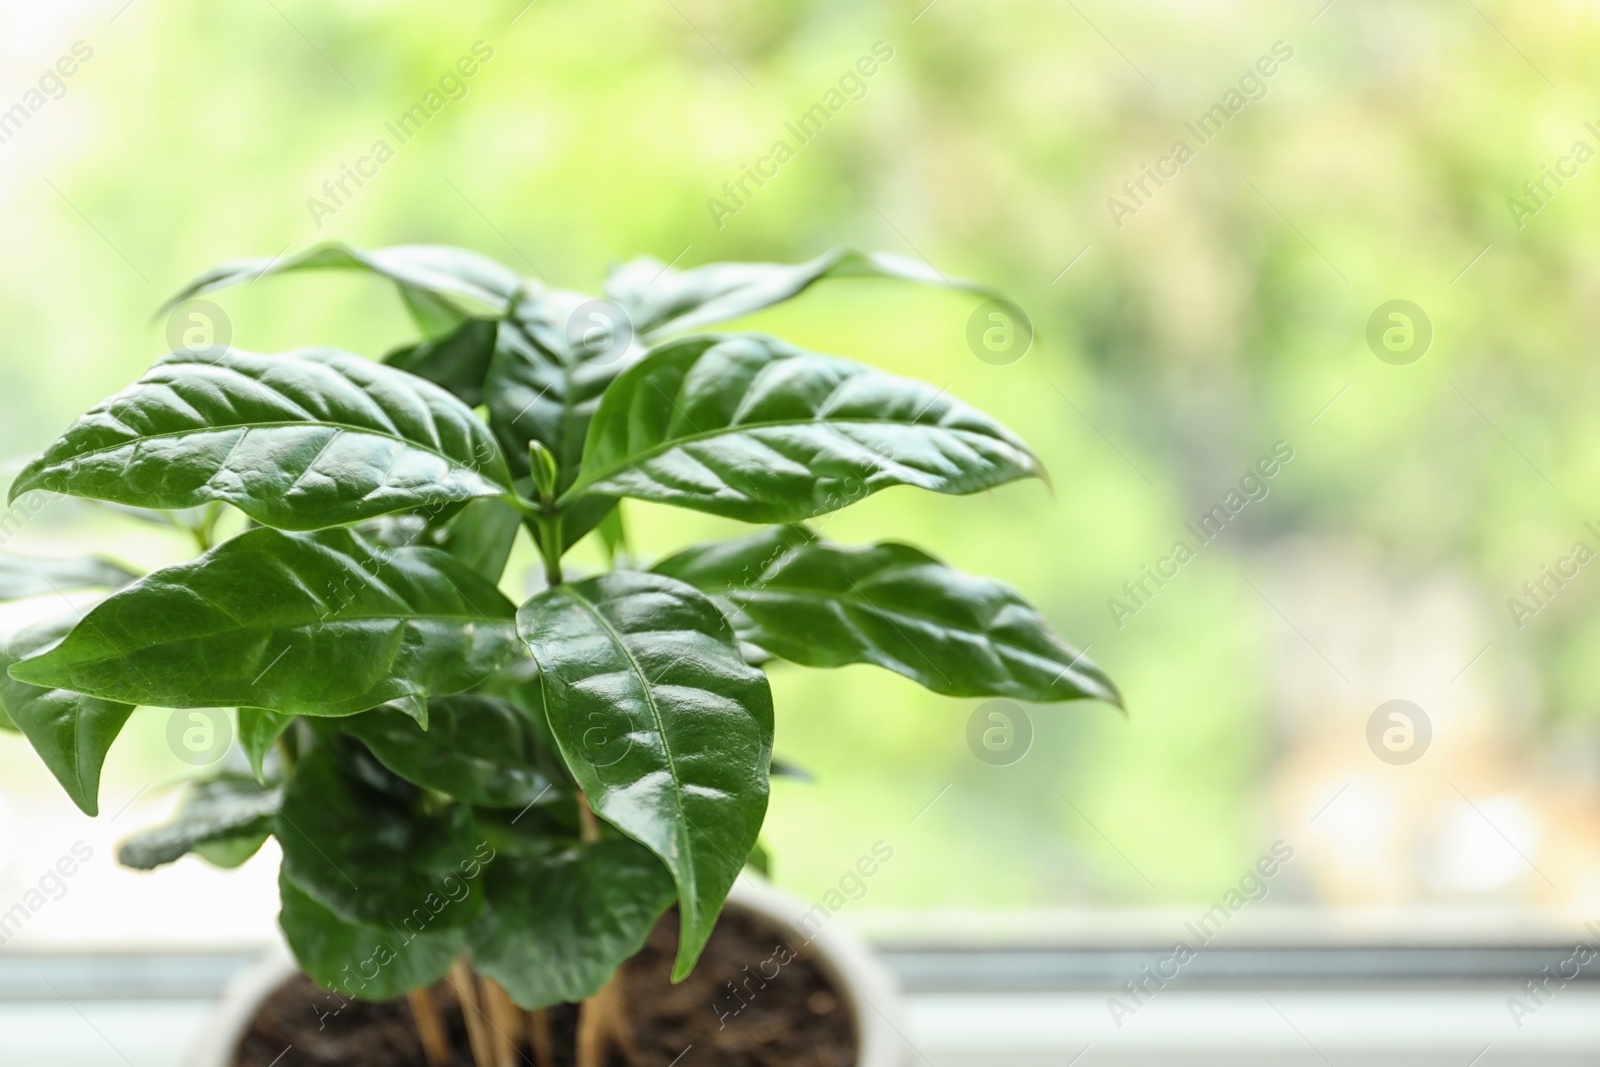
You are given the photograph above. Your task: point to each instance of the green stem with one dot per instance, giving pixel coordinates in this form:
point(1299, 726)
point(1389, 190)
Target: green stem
point(287, 752)
point(204, 532)
point(550, 547)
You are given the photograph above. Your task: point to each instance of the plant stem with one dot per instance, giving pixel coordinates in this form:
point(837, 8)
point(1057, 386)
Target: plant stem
point(588, 826)
point(477, 1023)
point(505, 1020)
point(541, 1039)
point(603, 1025)
point(430, 1028)
point(287, 754)
point(204, 532)
point(550, 547)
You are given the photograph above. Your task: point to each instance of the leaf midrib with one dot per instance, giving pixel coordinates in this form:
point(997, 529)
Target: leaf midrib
point(277, 628)
point(661, 727)
point(586, 481)
point(732, 592)
point(338, 427)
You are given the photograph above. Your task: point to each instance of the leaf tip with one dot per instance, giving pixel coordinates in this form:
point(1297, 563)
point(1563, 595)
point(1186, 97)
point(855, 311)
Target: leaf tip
point(25, 481)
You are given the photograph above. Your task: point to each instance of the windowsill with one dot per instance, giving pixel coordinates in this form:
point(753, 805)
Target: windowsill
point(980, 1005)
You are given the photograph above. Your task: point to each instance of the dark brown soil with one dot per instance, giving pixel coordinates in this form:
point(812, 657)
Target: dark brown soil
point(756, 999)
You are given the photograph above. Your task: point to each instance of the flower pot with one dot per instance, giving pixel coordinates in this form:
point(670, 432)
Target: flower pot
point(860, 981)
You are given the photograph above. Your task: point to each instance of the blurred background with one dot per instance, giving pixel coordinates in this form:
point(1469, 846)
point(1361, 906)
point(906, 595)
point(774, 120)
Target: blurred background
point(1209, 255)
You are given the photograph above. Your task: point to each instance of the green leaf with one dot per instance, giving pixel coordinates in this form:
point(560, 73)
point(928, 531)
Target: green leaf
point(372, 961)
point(435, 270)
point(305, 624)
point(434, 315)
point(759, 860)
point(25, 576)
point(828, 605)
point(614, 537)
point(557, 925)
point(661, 300)
point(481, 536)
point(665, 727)
point(298, 441)
point(782, 768)
point(457, 361)
point(373, 857)
point(259, 730)
point(216, 811)
point(71, 732)
point(543, 388)
point(480, 749)
point(750, 428)
point(229, 853)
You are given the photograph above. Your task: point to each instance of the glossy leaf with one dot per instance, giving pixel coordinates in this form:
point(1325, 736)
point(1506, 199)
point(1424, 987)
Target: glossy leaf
point(372, 961)
point(666, 728)
point(259, 730)
point(71, 732)
point(457, 361)
point(754, 429)
point(542, 387)
point(480, 749)
point(25, 576)
point(375, 858)
point(662, 300)
point(430, 269)
point(308, 624)
point(827, 605)
point(555, 926)
point(213, 812)
point(298, 441)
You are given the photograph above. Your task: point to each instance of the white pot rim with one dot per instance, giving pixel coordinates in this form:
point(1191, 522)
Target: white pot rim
point(856, 973)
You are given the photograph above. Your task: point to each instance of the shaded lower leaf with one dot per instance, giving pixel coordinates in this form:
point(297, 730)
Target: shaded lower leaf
point(233, 851)
point(481, 536)
point(457, 361)
point(760, 860)
point(325, 623)
point(373, 857)
point(71, 732)
point(582, 516)
point(543, 386)
point(556, 926)
point(613, 537)
point(477, 748)
point(666, 728)
point(434, 313)
point(259, 730)
point(827, 605)
point(782, 768)
point(372, 961)
point(213, 812)
point(25, 576)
